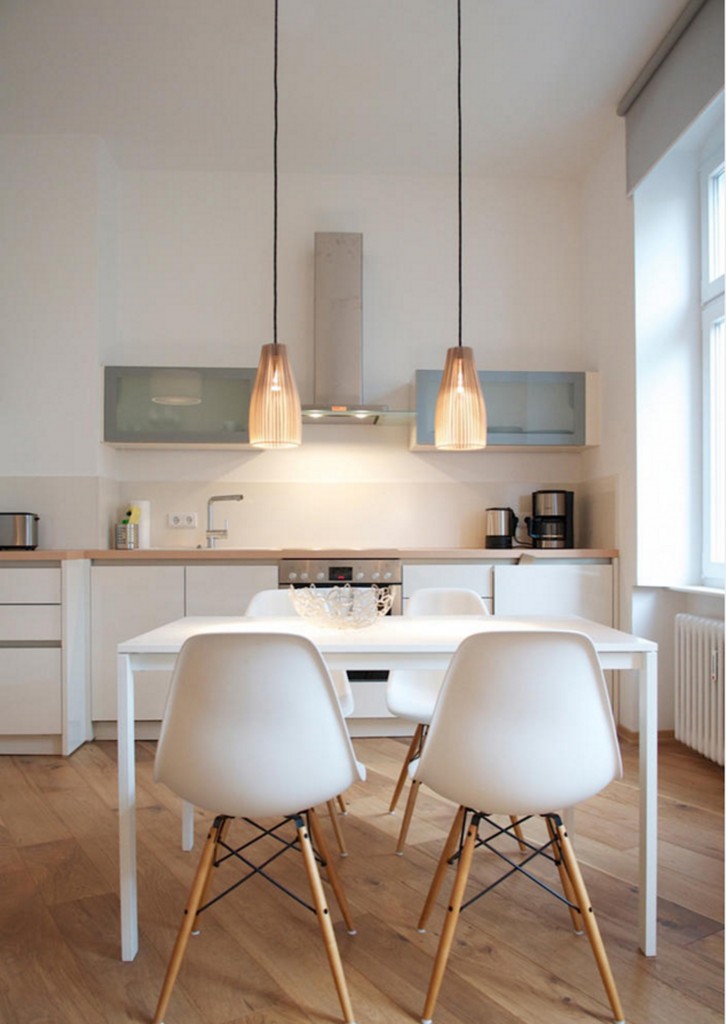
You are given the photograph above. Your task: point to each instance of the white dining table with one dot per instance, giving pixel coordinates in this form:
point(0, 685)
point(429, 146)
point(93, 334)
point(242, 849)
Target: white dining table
point(391, 642)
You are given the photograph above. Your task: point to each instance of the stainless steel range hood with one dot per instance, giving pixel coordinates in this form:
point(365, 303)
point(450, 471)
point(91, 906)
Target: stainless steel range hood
point(338, 336)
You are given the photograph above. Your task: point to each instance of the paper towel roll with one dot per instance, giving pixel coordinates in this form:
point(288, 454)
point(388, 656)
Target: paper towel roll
point(144, 532)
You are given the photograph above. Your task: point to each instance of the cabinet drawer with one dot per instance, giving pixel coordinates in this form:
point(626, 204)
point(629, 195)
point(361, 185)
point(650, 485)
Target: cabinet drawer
point(30, 691)
point(30, 586)
point(29, 622)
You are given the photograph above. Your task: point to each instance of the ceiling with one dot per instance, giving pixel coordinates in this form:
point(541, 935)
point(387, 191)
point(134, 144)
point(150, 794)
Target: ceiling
point(366, 86)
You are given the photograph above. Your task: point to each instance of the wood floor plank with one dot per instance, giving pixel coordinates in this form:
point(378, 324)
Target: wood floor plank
point(24, 812)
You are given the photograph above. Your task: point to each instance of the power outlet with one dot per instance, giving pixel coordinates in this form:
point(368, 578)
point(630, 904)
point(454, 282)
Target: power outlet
point(181, 520)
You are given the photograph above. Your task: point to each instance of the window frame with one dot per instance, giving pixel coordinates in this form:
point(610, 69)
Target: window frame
point(712, 310)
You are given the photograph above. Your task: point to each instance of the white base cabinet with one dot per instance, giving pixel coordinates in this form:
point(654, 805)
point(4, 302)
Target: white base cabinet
point(44, 617)
point(128, 600)
point(225, 589)
point(577, 589)
point(30, 691)
point(476, 576)
point(125, 601)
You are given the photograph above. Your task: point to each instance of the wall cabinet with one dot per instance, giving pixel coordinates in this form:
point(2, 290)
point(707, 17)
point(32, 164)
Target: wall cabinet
point(524, 409)
point(44, 658)
point(180, 407)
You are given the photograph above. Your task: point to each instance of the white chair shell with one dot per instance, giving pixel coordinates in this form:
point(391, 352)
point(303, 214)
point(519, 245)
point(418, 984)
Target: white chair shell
point(278, 604)
point(445, 601)
point(411, 694)
point(522, 725)
point(266, 603)
point(253, 726)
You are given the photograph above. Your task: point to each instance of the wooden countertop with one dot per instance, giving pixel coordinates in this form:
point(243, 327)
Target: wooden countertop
point(275, 554)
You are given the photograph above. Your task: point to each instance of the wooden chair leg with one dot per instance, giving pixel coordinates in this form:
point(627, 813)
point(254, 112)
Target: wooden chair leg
point(333, 812)
point(448, 851)
point(333, 876)
point(590, 922)
point(342, 804)
point(565, 879)
point(194, 900)
point(407, 815)
point(221, 835)
point(518, 833)
point(452, 917)
point(411, 752)
point(326, 926)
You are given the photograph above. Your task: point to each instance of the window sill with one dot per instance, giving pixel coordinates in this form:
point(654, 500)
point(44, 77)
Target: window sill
point(703, 591)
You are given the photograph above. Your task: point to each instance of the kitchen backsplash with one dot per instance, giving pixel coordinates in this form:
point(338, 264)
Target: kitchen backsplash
point(80, 512)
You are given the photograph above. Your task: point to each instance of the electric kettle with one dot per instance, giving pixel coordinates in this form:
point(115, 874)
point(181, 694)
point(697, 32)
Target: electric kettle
point(501, 524)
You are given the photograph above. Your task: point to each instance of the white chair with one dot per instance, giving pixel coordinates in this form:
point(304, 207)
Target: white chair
point(522, 726)
point(253, 729)
point(412, 694)
point(266, 603)
point(279, 604)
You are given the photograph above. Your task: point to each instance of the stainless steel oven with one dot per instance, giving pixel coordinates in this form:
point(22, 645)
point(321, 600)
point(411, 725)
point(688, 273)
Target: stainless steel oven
point(331, 572)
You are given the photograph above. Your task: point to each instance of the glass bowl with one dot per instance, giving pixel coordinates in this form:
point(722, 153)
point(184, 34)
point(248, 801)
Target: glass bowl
point(343, 607)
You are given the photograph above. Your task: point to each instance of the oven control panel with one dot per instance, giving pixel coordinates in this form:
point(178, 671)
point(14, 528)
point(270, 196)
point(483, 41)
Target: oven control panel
point(360, 571)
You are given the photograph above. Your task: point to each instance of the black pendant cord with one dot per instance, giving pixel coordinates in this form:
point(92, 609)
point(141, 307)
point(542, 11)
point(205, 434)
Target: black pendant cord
point(460, 184)
point(274, 194)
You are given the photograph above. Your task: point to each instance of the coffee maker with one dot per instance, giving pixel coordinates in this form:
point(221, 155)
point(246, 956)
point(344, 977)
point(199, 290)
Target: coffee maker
point(551, 524)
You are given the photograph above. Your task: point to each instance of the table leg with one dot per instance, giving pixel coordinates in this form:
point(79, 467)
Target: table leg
point(127, 809)
point(187, 836)
point(648, 756)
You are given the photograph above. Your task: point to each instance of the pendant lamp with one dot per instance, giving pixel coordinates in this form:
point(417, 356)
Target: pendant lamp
point(275, 418)
point(460, 422)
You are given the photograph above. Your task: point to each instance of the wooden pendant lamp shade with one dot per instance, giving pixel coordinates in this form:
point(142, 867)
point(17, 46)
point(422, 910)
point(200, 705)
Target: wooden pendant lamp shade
point(461, 420)
point(275, 419)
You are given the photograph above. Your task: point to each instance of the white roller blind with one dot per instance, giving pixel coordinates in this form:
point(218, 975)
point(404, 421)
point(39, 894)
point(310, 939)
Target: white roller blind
point(680, 80)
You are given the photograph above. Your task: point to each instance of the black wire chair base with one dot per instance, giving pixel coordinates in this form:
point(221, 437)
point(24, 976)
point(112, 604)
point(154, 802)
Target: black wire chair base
point(237, 853)
point(549, 850)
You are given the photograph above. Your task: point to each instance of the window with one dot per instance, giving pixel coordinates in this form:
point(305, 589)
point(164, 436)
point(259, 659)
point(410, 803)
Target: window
point(714, 372)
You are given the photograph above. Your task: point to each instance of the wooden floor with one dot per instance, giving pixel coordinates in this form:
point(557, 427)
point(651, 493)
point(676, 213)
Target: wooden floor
point(259, 959)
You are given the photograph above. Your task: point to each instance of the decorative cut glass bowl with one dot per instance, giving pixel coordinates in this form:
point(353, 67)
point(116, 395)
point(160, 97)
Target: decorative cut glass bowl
point(343, 607)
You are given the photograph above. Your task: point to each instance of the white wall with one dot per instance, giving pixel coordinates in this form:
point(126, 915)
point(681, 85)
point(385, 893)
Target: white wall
point(49, 291)
point(195, 283)
point(195, 287)
point(609, 345)
point(107, 266)
point(669, 372)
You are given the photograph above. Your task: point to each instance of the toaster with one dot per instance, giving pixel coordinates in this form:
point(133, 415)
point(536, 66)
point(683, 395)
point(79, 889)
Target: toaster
point(18, 531)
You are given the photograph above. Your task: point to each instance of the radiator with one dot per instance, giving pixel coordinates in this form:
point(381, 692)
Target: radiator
point(699, 685)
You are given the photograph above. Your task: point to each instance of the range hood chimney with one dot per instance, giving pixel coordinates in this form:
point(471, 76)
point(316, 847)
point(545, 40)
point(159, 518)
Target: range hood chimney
point(338, 336)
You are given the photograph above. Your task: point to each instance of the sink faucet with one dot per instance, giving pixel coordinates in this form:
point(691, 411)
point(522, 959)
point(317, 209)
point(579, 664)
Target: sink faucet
point(212, 534)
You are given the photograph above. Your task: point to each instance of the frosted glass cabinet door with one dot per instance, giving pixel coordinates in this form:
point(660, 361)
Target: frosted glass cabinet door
point(524, 409)
point(176, 406)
